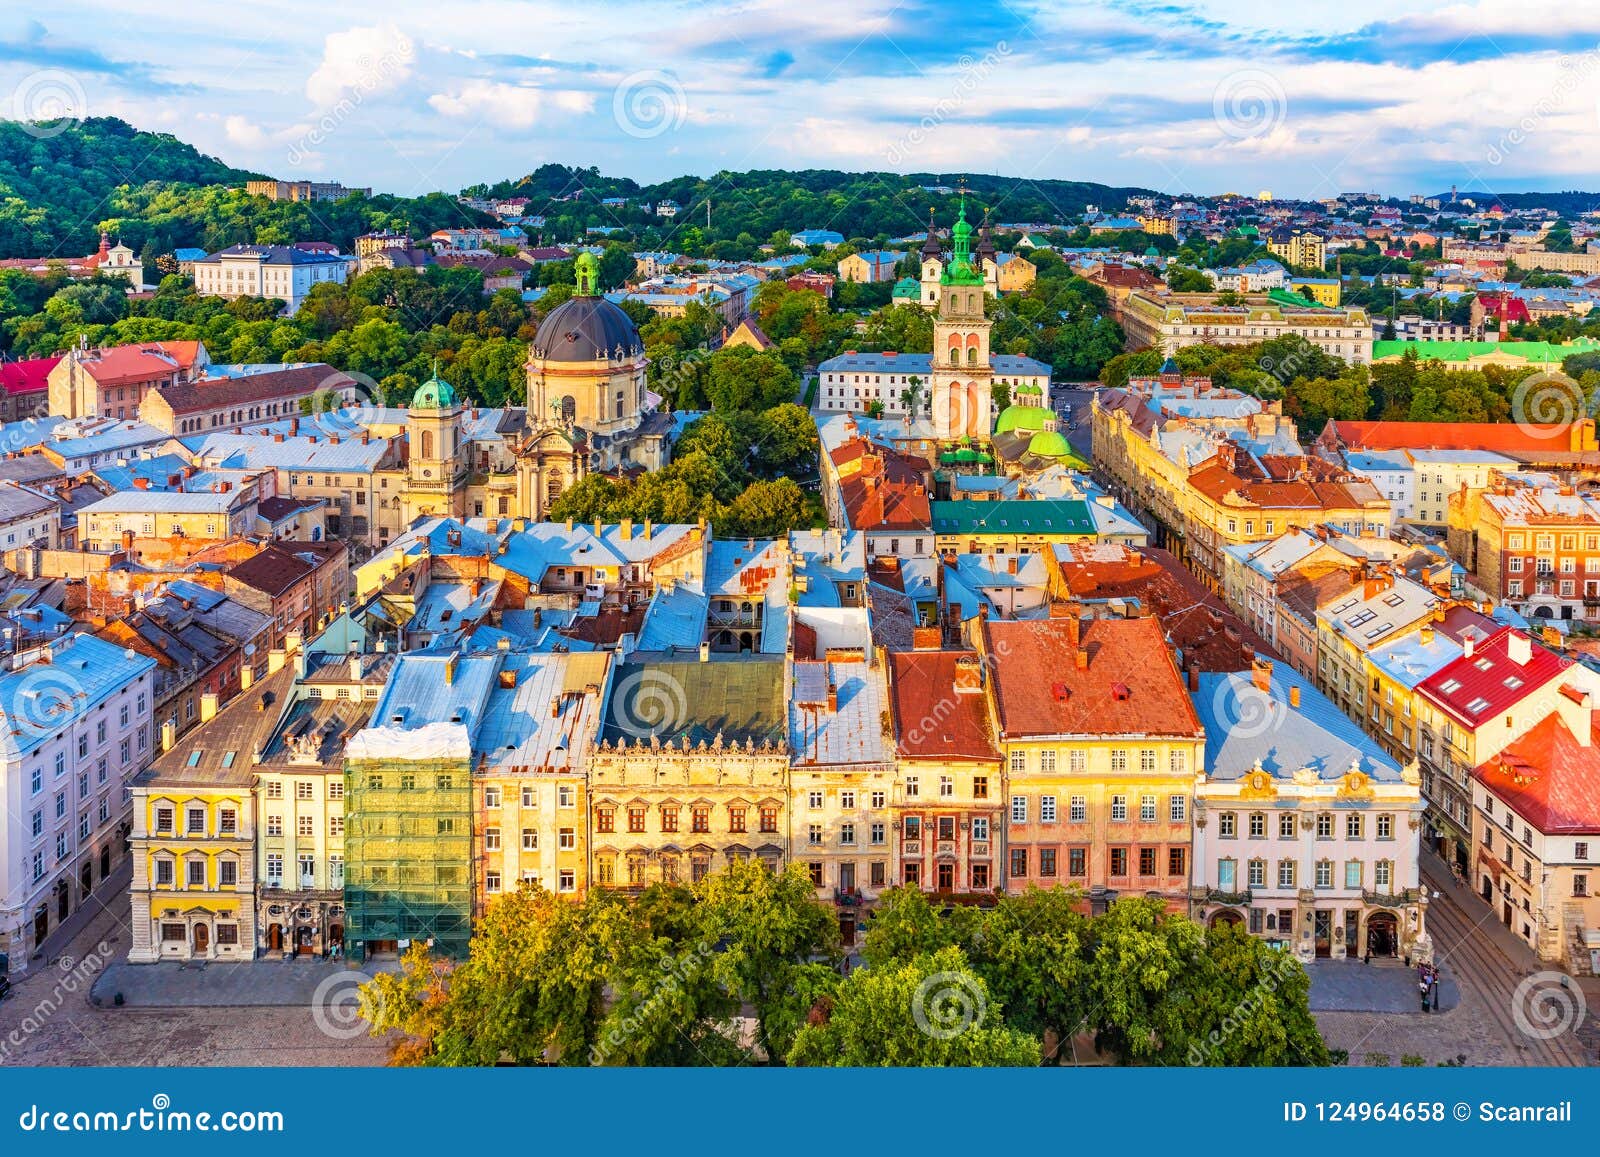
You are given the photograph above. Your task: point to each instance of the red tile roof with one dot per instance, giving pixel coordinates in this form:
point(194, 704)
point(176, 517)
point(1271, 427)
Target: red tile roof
point(139, 363)
point(27, 377)
point(1128, 686)
point(933, 720)
point(1501, 437)
point(1549, 778)
point(1491, 678)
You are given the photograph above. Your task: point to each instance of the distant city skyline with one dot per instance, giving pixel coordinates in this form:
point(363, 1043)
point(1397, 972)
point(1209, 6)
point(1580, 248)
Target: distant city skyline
point(1395, 97)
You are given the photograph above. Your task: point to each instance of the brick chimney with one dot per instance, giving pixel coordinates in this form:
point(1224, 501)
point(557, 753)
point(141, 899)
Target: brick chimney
point(1261, 675)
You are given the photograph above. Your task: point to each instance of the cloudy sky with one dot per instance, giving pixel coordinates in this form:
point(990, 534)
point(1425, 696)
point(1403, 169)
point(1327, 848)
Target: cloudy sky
point(1398, 96)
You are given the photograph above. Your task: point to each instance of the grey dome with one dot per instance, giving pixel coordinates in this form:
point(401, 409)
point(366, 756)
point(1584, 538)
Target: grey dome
point(583, 329)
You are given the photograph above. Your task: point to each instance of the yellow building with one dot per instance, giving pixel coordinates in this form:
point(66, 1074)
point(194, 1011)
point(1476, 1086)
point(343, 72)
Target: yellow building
point(1323, 290)
point(842, 779)
point(1297, 247)
point(193, 840)
point(692, 768)
point(530, 802)
point(1159, 224)
point(207, 516)
point(1101, 745)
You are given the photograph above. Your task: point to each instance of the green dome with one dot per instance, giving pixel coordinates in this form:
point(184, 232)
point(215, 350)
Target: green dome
point(1152, 251)
point(908, 287)
point(1022, 418)
point(434, 394)
point(1049, 444)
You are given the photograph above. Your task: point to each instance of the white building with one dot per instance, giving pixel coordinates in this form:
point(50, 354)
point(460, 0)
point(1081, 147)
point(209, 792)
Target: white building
point(28, 518)
point(1305, 831)
point(279, 271)
point(77, 730)
point(852, 382)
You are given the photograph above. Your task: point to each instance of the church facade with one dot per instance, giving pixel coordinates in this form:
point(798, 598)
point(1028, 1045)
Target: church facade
point(588, 412)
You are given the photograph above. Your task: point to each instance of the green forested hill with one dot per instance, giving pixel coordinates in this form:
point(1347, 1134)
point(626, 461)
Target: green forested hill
point(157, 193)
point(55, 189)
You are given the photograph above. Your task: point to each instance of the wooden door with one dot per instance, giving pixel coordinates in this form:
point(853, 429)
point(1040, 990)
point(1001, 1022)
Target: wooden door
point(202, 939)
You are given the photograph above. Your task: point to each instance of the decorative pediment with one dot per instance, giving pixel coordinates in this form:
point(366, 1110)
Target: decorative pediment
point(1258, 784)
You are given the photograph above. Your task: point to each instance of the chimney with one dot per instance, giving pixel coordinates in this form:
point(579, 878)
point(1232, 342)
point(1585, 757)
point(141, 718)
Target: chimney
point(1194, 678)
point(208, 706)
point(355, 666)
point(926, 638)
point(627, 530)
point(1426, 635)
point(450, 669)
point(169, 734)
point(141, 484)
point(599, 528)
point(1519, 649)
point(648, 527)
point(275, 660)
point(833, 698)
point(1466, 647)
point(1261, 675)
point(705, 652)
point(1011, 564)
point(1294, 695)
point(969, 675)
point(247, 676)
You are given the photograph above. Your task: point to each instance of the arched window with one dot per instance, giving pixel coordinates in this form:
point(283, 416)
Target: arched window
point(427, 443)
point(972, 355)
point(955, 356)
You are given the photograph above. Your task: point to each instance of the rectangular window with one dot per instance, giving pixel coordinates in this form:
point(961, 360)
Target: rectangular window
point(1178, 808)
point(1352, 874)
point(1286, 826)
point(228, 873)
point(1285, 873)
point(1019, 809)
point(530, 840)
point(1147, 861)
point(1119, 862)
point(491, 839)
point(566, 840)
point(1227, 825)
point(1077, 862)
point(1257, 873)
point(1119, 808)
point(1352, 826)
point(1019, 863)
point(195, 873)
point(1147, 809)
point(1385, 826)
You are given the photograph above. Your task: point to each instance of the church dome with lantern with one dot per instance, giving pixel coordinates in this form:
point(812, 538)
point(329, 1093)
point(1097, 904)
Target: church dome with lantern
point(587, 327)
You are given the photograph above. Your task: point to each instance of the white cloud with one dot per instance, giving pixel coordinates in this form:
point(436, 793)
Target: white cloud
point(361, 60)
point(512, 106)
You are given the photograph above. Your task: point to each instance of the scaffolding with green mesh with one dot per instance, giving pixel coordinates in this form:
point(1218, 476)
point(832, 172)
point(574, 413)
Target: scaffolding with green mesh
point(408, 850)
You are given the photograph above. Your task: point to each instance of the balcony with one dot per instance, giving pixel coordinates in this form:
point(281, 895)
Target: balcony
point(1392, 899)
point(1217, 896)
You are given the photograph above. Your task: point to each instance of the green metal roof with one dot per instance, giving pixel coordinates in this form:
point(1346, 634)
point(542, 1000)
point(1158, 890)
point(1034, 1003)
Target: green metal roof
point(1460, 351)
point(1013, 516)
point(1022, 418)
point(737, 696)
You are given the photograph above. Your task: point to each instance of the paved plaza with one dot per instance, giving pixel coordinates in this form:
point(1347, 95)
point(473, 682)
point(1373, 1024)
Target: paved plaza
point(1386, 986)
point(250, 984)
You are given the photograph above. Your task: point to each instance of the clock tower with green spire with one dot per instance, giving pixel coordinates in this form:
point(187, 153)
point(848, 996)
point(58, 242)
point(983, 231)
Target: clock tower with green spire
point(962, 376)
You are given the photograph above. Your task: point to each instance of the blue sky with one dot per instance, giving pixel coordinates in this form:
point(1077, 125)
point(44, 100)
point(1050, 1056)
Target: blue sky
point(1398, 96)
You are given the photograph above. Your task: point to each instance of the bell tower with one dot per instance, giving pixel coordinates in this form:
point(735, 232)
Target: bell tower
point(962, 375)
point(436, 468)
